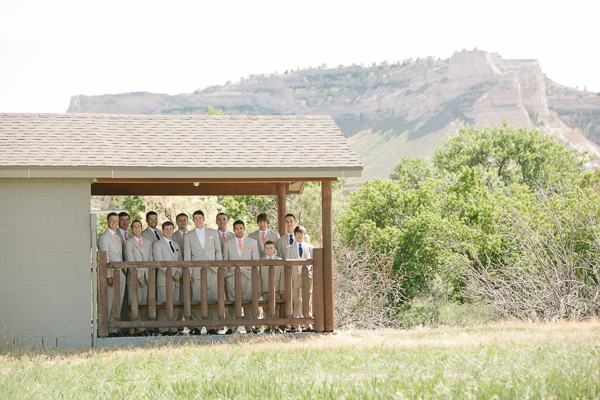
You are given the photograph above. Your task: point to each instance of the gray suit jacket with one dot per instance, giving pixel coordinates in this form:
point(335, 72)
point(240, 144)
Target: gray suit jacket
point(271, 235)
point(228, 235)
point(292, 253)
point(114, 249)
point(132, 252)
point(178, 238)
point(149, 235)
point(249, 252)
point(284, 242)
point(193, 250)
point(263, 285)
point(162, 252)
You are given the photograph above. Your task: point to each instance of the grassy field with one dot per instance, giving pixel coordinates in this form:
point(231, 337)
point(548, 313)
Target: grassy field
point(500, 360)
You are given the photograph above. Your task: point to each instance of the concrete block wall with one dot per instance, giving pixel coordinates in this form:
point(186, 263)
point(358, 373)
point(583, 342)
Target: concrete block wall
point(45, 280)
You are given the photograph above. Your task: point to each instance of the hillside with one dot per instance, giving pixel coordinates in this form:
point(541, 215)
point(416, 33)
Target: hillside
point(391, 110)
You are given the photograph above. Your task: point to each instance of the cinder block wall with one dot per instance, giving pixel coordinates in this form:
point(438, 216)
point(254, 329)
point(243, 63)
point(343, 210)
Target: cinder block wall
point(45, 262)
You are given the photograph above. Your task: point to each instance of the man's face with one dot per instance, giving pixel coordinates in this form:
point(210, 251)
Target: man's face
point(137, 229)
point(124, 222)
point(239, 231)
point(290, 224)
point(168, 231)
point(182, 223)
point(199, 221)
point(270, 250)
point(113, 222)
point(299, 237)
point(152, 221)
point(222, 222)
point(263, 225)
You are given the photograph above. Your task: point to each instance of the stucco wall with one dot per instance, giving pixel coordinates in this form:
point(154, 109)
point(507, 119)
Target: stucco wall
point(45, 262)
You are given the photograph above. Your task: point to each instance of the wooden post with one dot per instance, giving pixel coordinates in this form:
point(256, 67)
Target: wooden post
point(152, 293)
point(187, 307)
point(272, 292)
point(204, 293)
point(327, 255)
point(238, 292)
point(288, 292)
point(117, 294)
point(281, 208)
point(305, 292)
point(169, 289)
point(318, 290)
point(134, 294)
point(254, 276)
point(221, 292)
point(102, 295)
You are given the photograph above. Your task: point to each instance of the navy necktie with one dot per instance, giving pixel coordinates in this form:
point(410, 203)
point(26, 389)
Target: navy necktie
point(291, 239)
point(300, 251)
point(172, 248)
point(157, 235)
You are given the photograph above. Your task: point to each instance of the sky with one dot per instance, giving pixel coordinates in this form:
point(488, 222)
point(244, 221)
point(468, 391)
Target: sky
point(52, 50)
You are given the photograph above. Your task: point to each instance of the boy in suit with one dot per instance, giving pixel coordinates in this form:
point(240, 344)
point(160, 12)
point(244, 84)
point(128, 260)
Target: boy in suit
point(138, 249)
point(203, 244)
point(151, 233)
point(109, 241)
point(167, 250)
point(241, 248)
point(287, 239)
point(263, 233)
point(263, 285)
point(300, 250)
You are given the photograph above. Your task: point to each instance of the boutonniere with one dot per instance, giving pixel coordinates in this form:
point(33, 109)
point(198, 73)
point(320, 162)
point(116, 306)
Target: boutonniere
point(247, 248)
point(146, 247)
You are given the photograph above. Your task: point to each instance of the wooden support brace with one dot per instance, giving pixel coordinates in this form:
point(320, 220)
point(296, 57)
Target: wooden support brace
point(305, 292)
point(238, 292)
point(117, 294)
point(318, 309)
point(288, 292)
point(204, 293)
point(152, 293)
point(221, 292)
point(102, 295)
point(254, 284)
point(169, 293)
point(272, 292)
point(185, 286)
point(135, 285)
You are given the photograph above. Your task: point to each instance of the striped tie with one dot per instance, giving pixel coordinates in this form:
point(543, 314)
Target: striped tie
point(117, 238)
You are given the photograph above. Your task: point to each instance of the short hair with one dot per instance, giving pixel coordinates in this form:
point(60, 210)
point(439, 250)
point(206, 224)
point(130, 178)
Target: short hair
point(262, 217)
point(270, 242)
point(289, 215)
point(167, 223)
point(198, 212)
point(221, 214)
point(299, 228)
point(239, 222)
point(123, 214)
point(138, 221)
point(180, 215)
point(112, 214)
point(151, 213)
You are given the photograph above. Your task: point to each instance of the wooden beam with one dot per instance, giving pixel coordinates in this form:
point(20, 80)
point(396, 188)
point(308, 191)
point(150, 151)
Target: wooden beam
point(327, 225)
point(102, 295)
point(184, 189)
point(209, 180)
point(281, 207)
point(318, 309)
point(210, 323)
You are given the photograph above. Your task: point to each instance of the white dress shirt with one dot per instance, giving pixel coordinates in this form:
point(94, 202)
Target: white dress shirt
point(124, 234)
point(201, 233)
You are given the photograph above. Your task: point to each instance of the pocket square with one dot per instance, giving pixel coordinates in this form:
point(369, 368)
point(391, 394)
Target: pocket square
point(210, 237)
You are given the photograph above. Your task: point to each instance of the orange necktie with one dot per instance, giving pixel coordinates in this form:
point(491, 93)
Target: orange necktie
point(126, 238)
point(140, 243)
point(184, 237)
point(117, 238)
point(239, 245)
point(224, 237)
point(262, 239)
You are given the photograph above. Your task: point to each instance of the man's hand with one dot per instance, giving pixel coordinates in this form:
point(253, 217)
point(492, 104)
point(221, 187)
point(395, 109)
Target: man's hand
point(192, 279)
point(110, 281)
point(141, 282)
point(176, 276)
point(292, 284)
point(281, 294)
point(260, 295)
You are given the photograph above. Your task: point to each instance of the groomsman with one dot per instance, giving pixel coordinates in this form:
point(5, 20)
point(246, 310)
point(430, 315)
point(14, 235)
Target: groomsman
point(287, 239)
point(151, 233)
point(167, 249)
point(109, 241)
point(224, 234)
point(263, 234)
point(123, 232)
point(138, 249)
point(300, 250)
point(241, 248)
point(203, 244)
point(179, 238)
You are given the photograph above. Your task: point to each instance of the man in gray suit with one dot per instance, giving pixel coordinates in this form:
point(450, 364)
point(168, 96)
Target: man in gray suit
point(300, 250)
point(109, 241)
point(263, 234)
point(123, 232)
point(241, 248)
point(151, 233)
point(225, 235)
point(167, 249)
point(203, 244)
point(139, 249)
point(179, 238)
point(124, 236)
point(287, 239)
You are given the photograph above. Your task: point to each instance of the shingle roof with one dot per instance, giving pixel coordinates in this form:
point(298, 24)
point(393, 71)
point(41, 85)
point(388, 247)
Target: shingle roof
point(189, 141)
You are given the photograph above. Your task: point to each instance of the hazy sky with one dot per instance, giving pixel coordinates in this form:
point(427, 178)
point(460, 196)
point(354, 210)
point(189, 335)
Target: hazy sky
point(51, 50)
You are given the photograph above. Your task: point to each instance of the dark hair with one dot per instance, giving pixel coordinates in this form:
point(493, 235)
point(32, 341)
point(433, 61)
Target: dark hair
point(239, 222)
point(289, 215)
point(180, 215)
point(299, 228)
point(138, 221)
point(112, 214)
point(198, 212)
point(123, 214)
point(262, 217)
point(151, 213)
point(167, 223)
point(221, 214)
point(270, 242)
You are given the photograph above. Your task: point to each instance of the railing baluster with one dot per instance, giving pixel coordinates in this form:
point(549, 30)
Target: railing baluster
point(272, 292)
point(288, 292)
point(117, 294)
point(238, 292)
point(152, 294)
point(102, 295)
point(185, 282)
point(134, 294)
point(305, 292)
point(203, 293)
point(254, 276)
point(318, 308)
point(169, 289)
point(221, 292)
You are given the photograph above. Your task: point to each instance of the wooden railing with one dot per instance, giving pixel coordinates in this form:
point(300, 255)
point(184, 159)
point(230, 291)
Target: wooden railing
point(318, 307)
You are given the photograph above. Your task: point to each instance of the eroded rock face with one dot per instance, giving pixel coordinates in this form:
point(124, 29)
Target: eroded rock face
point(386, 111)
